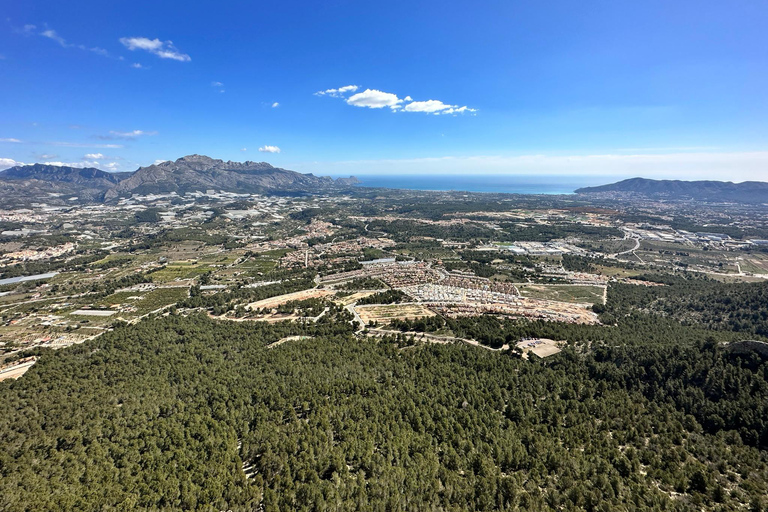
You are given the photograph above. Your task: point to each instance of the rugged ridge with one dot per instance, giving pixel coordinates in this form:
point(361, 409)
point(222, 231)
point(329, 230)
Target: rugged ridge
point(712, 191)
point(60, 184)
point(200, 173)
point(78, 176)
point(25, 182)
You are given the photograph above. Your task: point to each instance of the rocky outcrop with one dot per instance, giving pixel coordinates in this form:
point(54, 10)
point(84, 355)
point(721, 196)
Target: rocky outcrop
point(201, 173)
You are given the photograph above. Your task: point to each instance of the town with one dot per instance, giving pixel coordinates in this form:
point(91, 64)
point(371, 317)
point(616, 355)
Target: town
point(71, 273)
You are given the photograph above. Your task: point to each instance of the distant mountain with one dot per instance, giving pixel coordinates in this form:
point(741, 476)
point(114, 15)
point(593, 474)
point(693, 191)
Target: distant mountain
point(711, 191)
point(201, 173)
point(58, 184)
point(23, 183)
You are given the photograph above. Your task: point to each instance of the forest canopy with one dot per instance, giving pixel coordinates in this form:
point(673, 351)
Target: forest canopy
point(191, 413)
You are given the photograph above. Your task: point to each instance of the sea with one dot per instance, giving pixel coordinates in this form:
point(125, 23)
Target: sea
point(495, 183)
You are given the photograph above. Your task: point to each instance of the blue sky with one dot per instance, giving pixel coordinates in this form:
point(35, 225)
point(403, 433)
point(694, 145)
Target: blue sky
point(657, 88)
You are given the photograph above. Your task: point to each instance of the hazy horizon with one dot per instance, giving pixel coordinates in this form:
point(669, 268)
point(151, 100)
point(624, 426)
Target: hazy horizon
point(655, 89)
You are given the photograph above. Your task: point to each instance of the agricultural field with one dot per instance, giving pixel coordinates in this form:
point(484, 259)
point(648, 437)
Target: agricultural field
point(563, 293)
point(181, 270)
point(754, 263)
point(144, 302)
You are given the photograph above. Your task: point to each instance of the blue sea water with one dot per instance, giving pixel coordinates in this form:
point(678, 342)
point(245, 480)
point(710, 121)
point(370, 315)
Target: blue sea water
point(509, 183)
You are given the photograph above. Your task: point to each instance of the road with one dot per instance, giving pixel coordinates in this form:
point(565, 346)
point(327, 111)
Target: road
point(636, 247)
point(351, 309)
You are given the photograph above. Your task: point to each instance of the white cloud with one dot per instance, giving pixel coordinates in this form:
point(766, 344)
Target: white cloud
point(163, 49)
point(337, 93)
point(458, 110)
point(158, 162)
point(427, 106)
point(131, 134)
point(244, 149)
point(78, 165)
point(217, 84)
point(45, 156)
point(436, 106)
point(269, 149)
point(275, 105)
point(15, 141)
point(373, 98)
point(137, 65)
point(5, 163)
point(734, 166)
point(93, 156)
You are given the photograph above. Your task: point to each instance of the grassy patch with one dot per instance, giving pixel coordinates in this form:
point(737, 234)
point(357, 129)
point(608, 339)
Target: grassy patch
point(563, 293)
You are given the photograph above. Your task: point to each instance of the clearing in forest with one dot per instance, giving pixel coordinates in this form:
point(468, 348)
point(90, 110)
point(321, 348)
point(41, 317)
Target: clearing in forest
point(542, 347)
point(386, 313)
point(274, 302)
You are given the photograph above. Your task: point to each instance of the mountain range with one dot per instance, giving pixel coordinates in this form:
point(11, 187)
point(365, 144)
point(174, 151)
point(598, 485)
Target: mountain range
point(710, 191)
point(57, 184)
point(23, 185)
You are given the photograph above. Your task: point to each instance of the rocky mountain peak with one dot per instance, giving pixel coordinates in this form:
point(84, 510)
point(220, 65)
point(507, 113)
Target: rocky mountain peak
point(201, 159)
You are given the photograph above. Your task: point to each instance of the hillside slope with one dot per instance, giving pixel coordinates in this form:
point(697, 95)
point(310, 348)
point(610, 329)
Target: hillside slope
point(746, 192)
point(201, 173)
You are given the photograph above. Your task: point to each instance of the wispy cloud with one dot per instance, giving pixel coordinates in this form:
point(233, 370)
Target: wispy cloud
point(337, 93)
point(735, 166)
point(84, 145)
point(243, 149)
point(131, 135)
point(5, 163)
point(218, 85)
point(65, 144)
point(269, 149)
point(93, 156)
point(163, 49)
point(667, 149)
point(275, 105)
point(51, 34)
point(374, 98)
